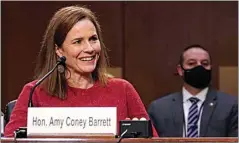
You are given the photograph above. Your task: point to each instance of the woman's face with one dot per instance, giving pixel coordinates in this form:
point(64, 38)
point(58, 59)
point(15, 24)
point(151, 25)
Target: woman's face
point(81, 48)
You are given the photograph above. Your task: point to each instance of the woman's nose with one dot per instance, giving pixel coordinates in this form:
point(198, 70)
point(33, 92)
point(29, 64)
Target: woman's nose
point(88, 47)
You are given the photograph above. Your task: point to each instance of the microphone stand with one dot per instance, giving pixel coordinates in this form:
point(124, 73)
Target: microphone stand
point(21, 132)
point(59, 62)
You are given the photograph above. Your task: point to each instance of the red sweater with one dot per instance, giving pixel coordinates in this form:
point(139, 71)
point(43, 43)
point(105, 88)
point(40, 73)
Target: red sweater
point(118, 93)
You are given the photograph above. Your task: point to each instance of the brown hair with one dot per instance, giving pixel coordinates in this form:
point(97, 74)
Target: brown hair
point(60, 24)
point(181, 58)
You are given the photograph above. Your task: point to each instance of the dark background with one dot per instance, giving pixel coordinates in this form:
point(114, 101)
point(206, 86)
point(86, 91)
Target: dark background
point(145, 39)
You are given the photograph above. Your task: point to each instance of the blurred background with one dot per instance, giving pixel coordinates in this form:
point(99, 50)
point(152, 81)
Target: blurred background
point(145, 40)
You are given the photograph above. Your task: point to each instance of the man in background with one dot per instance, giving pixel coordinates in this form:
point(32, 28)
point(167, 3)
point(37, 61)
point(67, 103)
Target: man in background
point(197, 110)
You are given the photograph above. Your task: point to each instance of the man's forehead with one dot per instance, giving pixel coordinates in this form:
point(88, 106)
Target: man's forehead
point(196, 53)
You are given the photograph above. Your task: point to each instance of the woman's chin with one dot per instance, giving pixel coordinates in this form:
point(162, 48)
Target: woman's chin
point(88, 70)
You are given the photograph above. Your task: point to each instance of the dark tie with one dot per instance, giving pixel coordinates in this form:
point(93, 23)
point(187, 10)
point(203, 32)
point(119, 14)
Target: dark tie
point(193, 116)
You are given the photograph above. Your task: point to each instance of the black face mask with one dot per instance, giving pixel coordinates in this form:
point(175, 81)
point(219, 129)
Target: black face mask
point(198, 77)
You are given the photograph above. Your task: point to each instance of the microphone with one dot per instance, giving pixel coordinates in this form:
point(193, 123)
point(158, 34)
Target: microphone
point(60, 61)
point(22, 131)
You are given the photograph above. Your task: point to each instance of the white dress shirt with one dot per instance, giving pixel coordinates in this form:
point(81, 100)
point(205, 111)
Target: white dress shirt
point(187, 104)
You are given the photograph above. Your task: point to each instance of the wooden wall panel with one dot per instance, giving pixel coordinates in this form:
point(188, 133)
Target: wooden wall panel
point(23, 26)
point(156, 33)
point(145, 39)
point(228, 79)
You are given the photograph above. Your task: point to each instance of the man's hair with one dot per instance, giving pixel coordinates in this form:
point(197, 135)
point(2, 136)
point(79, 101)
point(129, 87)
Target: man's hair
point(181, 59)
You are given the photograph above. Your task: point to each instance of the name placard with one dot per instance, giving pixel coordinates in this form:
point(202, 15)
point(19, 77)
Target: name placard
point(71, 121)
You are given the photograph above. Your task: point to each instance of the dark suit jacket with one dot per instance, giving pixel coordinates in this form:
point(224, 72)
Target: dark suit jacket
point(219, 120)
